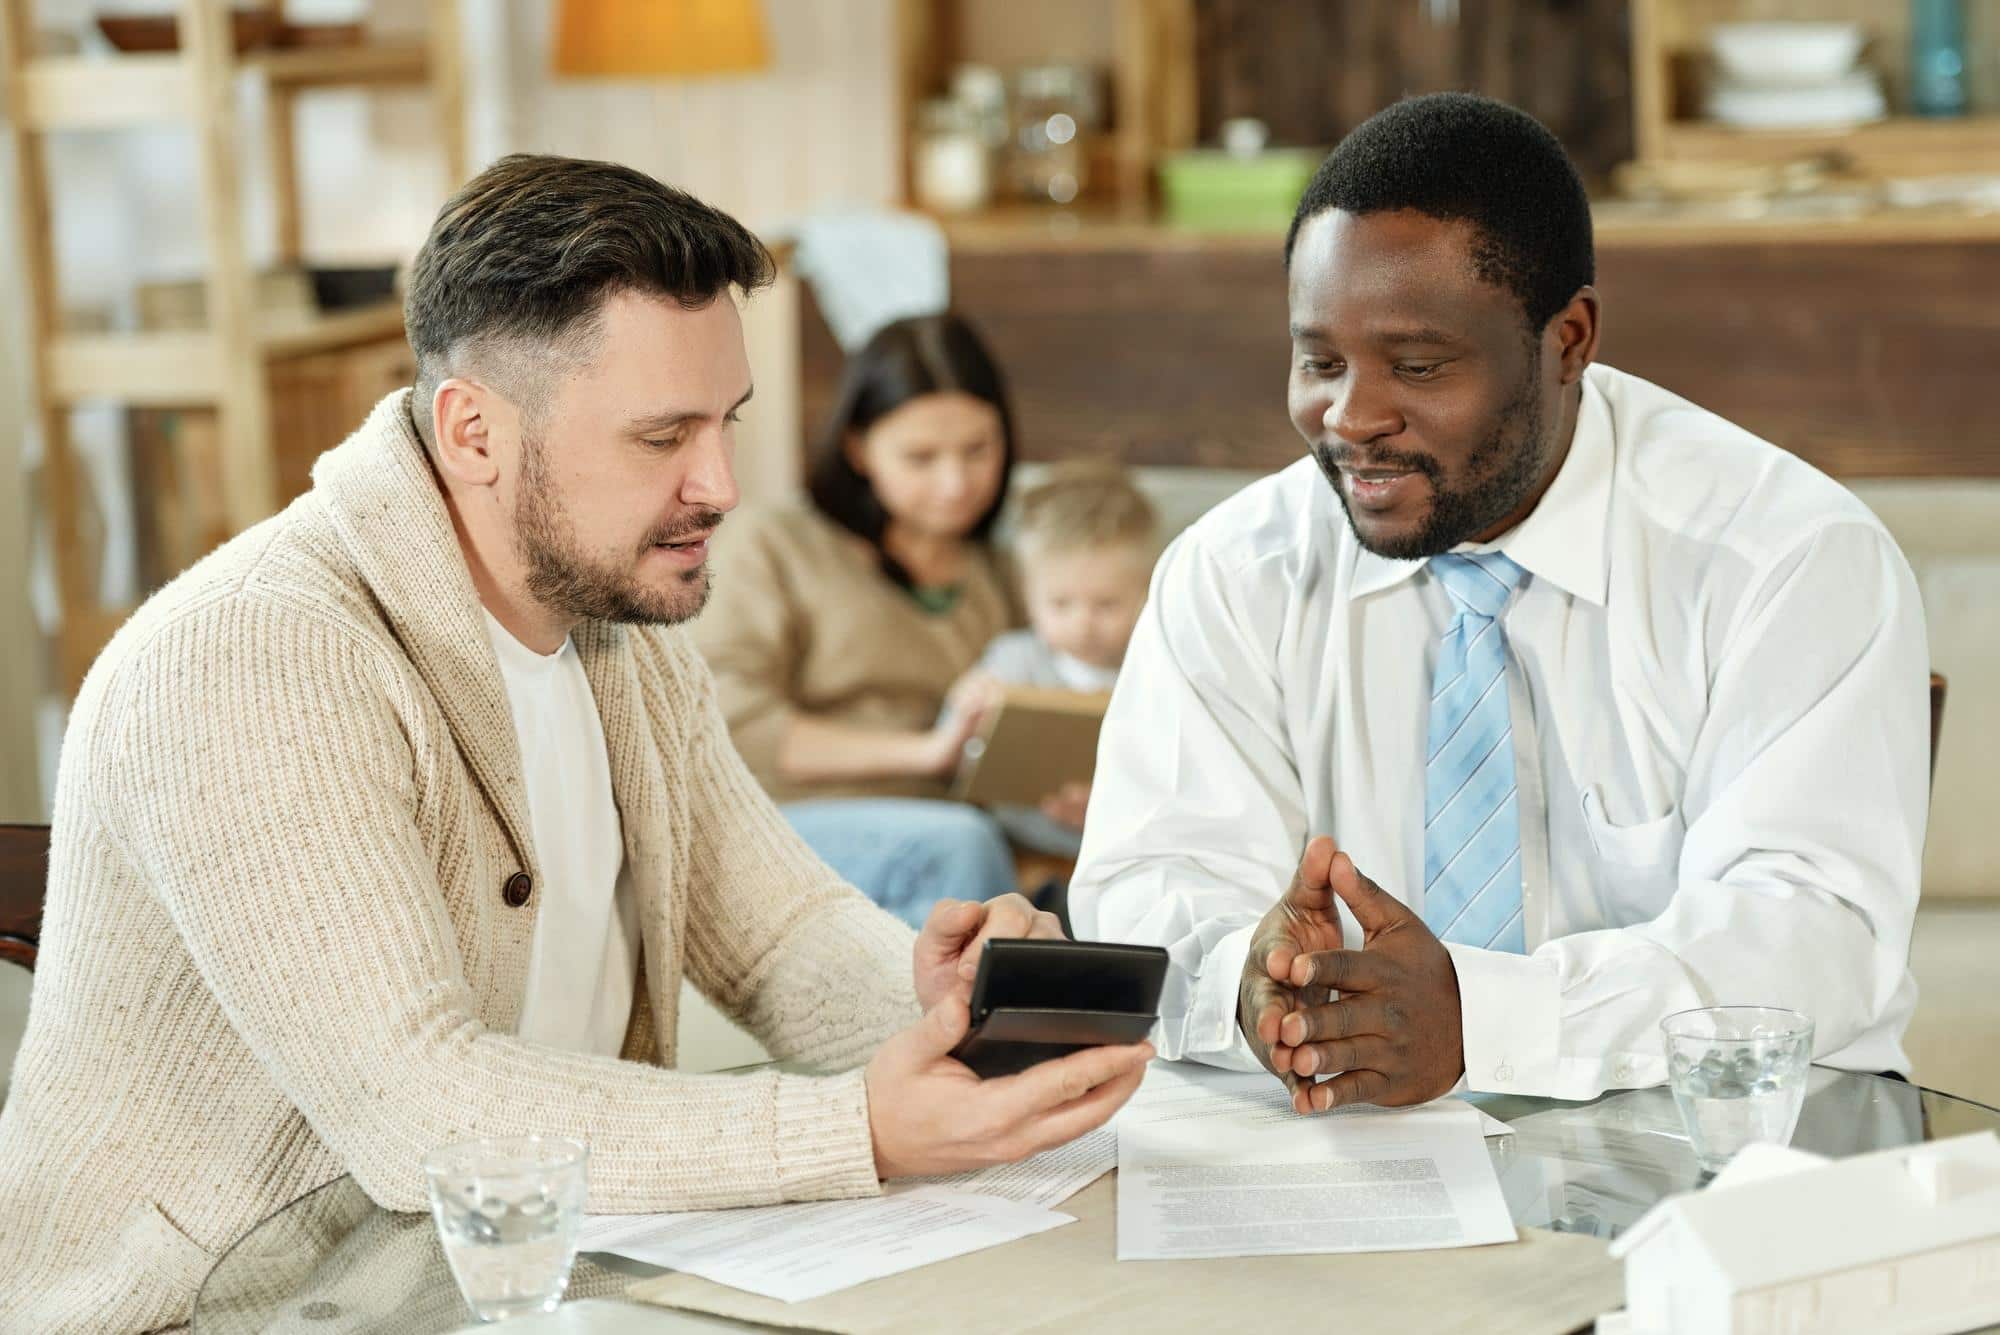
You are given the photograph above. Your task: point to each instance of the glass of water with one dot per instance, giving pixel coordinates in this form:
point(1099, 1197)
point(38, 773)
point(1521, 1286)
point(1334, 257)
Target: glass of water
point(1738, 1074)
point(508, 1213)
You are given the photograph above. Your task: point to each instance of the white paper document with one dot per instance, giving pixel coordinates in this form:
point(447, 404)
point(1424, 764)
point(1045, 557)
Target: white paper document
point(1216, 1163)
point(795, 1252)
point(1047, 1179)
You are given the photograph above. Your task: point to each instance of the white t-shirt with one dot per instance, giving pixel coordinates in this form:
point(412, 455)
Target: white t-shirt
point(586, 949)
point(1078, 675)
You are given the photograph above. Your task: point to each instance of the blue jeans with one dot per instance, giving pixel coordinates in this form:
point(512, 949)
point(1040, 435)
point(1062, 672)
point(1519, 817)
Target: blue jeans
point(907, 853)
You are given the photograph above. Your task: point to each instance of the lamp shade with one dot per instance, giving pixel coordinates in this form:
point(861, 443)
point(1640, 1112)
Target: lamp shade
point(653, 37)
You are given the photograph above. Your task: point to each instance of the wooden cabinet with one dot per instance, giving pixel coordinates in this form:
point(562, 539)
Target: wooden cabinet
point(1867, 360)
point(323, 396)
point(175, 454)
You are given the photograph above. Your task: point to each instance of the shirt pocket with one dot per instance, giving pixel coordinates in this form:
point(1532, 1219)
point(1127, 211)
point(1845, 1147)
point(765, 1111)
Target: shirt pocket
point(1637, 866)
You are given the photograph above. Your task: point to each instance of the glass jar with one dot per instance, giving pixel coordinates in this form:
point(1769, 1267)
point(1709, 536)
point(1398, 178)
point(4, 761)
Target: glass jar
point(981, 91)
point(1055, 109)
point(952, 166)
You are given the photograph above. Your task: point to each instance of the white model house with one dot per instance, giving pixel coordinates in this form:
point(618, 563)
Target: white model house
point(1898, 1242)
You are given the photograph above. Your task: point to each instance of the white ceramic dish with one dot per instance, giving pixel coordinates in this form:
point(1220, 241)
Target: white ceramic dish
point(1854, 100)
point(1785, 53)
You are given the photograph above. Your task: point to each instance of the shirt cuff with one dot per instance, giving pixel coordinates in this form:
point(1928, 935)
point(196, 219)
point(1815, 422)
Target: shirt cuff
point(1510, 1009)
point(1213, 1036)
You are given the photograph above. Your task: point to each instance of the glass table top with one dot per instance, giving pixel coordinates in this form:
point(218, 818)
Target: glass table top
point(333, 1262)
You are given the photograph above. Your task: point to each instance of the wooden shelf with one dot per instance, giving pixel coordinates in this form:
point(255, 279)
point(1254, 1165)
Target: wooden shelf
point(87, 93)
point(334, 66)
point(166, 370)
point(291, 335)
point(1619, 224)
point(1899, 146)
point(184, 368)
point(80, 93)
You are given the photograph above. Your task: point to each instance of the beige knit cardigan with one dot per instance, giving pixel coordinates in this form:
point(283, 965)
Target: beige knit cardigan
point(280, 947)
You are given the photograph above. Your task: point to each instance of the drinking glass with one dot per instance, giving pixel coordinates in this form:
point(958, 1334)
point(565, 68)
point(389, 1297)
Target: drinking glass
point(508, 1213)
point(1738, 1074)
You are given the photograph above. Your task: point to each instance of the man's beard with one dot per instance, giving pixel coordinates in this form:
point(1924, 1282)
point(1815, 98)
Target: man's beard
point(565, 580)
point(1502, 472)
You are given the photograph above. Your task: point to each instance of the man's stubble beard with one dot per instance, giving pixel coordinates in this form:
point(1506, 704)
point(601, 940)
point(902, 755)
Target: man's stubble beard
point(1504, 470)
point(561, 578)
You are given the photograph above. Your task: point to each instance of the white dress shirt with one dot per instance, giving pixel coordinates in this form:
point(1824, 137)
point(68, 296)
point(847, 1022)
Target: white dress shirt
point(585, 960)
point(1718, 679)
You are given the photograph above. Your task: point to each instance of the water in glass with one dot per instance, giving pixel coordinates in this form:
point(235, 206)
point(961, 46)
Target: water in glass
point(508, 1213)
point(1738, 1075)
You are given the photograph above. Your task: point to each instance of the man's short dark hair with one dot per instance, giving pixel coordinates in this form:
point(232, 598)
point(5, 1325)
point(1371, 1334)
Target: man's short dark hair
point(1458, 157)
point(520, 261)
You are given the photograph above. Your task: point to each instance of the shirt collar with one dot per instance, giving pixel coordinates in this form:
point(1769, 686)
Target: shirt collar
point(1562, 539)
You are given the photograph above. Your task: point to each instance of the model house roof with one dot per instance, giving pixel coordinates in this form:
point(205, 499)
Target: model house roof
point(1778, 1215)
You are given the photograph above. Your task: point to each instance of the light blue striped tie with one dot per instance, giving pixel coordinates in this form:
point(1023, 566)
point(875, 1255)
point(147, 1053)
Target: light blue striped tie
point(1472, 823)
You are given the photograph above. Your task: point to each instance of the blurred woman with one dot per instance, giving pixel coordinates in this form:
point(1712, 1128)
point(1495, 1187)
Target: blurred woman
point(840, 627)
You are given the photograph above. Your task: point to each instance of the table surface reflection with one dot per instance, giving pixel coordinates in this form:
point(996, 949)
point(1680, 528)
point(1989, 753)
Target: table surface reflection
point(333, 1262)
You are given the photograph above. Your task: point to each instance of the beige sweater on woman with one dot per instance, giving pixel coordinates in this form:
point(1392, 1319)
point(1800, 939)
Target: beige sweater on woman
point(804, 622)
point(279, 945)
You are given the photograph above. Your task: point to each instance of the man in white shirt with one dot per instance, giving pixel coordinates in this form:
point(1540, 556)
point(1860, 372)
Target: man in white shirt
point(1621, 708)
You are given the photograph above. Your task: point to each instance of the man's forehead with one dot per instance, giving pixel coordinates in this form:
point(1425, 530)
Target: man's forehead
point(1385, 231)
point(1404, 269)
point(660, 313)
point(652, 337)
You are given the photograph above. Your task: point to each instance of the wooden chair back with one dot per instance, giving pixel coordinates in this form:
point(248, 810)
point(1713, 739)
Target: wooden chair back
point(24, 882)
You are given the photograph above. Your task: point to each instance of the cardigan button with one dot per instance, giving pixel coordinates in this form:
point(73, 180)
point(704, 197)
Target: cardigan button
point(519, 886)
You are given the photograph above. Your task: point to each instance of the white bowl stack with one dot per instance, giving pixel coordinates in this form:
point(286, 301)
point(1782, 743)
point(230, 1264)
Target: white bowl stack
point(1791, 76)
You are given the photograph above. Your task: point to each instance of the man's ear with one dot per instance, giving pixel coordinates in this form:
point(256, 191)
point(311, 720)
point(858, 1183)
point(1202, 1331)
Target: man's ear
point(462, 417)
point(851, 449)
point(1574, 330)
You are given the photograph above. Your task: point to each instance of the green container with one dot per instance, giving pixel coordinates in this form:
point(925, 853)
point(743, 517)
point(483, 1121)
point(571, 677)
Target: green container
point(1209, 189)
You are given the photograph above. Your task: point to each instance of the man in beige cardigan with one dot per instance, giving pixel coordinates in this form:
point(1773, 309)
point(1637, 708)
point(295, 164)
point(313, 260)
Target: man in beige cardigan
point(304, 886)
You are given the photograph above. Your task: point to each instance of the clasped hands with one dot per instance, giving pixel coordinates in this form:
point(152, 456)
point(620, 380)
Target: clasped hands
point(1382, 1022)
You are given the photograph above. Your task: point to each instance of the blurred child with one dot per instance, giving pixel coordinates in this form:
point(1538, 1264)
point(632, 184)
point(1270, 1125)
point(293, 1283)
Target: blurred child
point(1085, 540)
